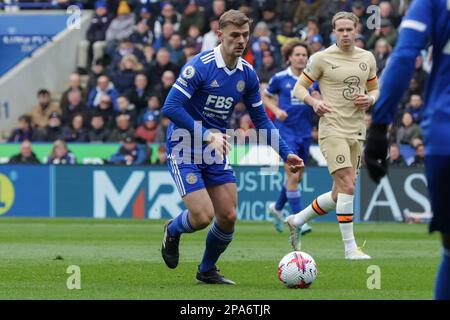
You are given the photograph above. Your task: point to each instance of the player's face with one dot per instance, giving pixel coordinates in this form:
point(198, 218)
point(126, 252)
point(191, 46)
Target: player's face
point(345, 33)
point(234, 39)
point(298, 58)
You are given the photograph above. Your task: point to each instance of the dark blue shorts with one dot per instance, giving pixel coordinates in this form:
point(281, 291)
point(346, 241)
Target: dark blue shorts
point(190, 177)
point(300, 146)
point(437, 169)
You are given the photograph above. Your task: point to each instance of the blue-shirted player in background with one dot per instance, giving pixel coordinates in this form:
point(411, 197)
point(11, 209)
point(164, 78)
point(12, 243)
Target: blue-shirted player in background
point(294, 120)
point(426, 20)
point(203, 99)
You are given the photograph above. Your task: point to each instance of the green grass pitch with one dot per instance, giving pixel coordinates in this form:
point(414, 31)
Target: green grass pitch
point(120, 259)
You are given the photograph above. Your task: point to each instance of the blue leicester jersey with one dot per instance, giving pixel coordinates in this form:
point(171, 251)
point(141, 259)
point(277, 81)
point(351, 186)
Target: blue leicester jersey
point(214, 90)
point(206, 93)
point(426, 20)
point(299, 114)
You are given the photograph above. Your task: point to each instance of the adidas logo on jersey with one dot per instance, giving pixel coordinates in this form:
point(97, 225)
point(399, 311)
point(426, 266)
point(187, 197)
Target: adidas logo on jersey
point(214, 84)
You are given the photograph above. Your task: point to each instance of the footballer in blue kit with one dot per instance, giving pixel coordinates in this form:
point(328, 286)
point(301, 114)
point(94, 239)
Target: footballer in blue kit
point(199, 106)
point(294, 120)
point(427, 21)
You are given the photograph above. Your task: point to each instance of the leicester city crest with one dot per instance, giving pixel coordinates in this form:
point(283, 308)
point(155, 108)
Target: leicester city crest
point(240, 86)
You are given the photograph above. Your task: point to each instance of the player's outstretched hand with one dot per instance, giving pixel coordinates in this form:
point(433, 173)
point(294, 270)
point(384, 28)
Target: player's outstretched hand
point(295, 163)
point(376, 150)
point(321, 107)
point(218, 142)
point(363, 102)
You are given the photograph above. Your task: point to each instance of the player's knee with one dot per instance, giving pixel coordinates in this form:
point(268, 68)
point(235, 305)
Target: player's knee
point(231, 216)
point(203, 221)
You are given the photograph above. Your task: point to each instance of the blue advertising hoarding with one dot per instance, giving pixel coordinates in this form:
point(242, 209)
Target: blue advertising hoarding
point(149, 192)
point(25, 191)
point(21, 34)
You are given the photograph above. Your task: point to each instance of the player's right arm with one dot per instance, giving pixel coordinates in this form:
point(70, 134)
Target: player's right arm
point(269, 98)
point(311, 73)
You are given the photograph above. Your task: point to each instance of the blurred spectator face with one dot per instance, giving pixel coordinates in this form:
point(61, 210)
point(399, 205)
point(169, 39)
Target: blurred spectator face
point(367, 120)
point(407, 119)
point(97, 122)
point(141, 81)
point(312, 27)
point(74, 97)
point(105, 102)
point(191, 8)
point(167, 30)
point(168, 11)
point(103, 82)
point(298, 58)
point(175, 41)
point(142, 27)
point(420, 151)
point(194, 32)
point(153, 103)
point(101, 11)
point(44, 99)
point(128, 63)
point(97, 68)
point(74, 80)
point(358, 8)
point(123, 122)
point(148, 53)
point(23, 124)
point(168, 78)
point(268, 15)
point(261, 29)
point(129, 145)
point(413, 84)
point(385, 9)
point(394, 152)
point(345, 32)
point(419, 62)
point(218, 7)
point(25, 148)
point(360, 43)
point(245, 8)
point(316, 46)
point(126, 47)
point(415, 101)
point(163, 57)
point(288, 27)
point(60, 150)
point(162, 154)
point(54, 122)
point(152, 124)
point(77, 122)
point(267, 60)
point(381, 47)
point(123, 103)
point(214, 25)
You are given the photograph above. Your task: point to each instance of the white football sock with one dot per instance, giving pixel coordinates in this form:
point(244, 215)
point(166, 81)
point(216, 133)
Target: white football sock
point(320, 206)
point(344, 214)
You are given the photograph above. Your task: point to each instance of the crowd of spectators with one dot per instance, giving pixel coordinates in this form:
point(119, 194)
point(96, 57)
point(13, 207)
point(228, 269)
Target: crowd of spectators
point(134, 50)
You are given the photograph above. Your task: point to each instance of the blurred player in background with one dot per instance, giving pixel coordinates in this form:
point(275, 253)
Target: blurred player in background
point(348, 84)
point(293, 119)
point(426, 20)
point(200, 103)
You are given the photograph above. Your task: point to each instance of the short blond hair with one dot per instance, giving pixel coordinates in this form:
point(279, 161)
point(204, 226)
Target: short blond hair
point(345, 15)
point(235, 17)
